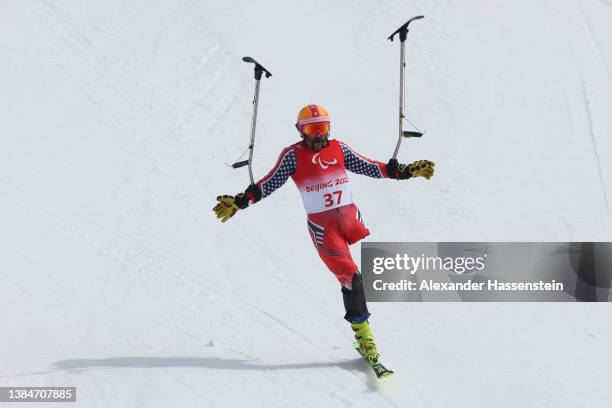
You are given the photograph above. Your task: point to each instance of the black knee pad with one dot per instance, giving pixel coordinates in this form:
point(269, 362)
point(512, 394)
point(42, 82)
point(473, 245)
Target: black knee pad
point(355, 301)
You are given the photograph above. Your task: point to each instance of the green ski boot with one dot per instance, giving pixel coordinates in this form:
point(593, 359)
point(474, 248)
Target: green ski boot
point(367, 348)
point(365, 339)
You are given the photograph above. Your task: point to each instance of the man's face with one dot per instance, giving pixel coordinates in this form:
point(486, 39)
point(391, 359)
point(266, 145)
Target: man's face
point(317, 144)
point(315, 135)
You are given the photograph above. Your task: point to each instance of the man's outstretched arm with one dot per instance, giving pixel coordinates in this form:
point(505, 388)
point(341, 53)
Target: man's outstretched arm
point(228, 205)
point(356, 163)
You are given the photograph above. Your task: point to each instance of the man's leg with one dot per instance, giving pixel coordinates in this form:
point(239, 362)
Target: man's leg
point(355, 301)
point(331, 245)
point(331, 233)
point(353, 229)
point(357, 315)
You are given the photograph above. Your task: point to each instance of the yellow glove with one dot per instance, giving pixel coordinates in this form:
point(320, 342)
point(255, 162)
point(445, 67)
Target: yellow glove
point(228, 205)
point(421, 168)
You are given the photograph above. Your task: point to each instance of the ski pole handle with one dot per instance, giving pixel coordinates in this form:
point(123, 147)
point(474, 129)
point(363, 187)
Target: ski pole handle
point(240, 164)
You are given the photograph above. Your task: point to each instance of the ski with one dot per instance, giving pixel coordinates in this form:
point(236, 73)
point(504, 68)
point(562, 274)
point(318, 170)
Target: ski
point(380, 370)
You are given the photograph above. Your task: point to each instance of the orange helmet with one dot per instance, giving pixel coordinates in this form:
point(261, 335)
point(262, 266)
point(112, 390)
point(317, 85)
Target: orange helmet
point(313, 121)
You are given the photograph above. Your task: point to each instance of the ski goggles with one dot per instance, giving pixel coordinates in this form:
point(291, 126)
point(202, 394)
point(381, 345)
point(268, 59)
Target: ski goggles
point(312, 130)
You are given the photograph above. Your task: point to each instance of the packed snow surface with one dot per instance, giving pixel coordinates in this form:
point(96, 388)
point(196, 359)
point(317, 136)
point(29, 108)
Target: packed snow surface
point(118, 119)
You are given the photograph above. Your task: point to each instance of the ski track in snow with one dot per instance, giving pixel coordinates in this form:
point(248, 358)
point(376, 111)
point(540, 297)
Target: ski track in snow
point(593, 136)
point(594, 47)
point(593, 140)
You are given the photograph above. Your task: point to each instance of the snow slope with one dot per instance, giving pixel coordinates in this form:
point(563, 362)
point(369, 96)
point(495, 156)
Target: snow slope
point(118, 118)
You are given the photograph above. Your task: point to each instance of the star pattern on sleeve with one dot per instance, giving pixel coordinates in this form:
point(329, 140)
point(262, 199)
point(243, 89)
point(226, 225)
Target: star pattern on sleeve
point(285, 167)
point(358, 164)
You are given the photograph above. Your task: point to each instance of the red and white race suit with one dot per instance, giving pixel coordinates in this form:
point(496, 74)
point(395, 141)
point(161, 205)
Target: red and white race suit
point(334, 222)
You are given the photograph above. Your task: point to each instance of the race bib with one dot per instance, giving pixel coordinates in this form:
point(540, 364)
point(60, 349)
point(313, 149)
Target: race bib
point(326, 195)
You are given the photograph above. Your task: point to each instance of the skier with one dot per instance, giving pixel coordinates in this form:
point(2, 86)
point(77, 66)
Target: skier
point(318, 167)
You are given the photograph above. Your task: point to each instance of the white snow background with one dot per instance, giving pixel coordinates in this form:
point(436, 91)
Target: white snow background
point(117, 119)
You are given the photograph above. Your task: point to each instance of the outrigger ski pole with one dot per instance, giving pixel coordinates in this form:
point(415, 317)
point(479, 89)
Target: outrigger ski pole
point(403, 32)
point(258, 70)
